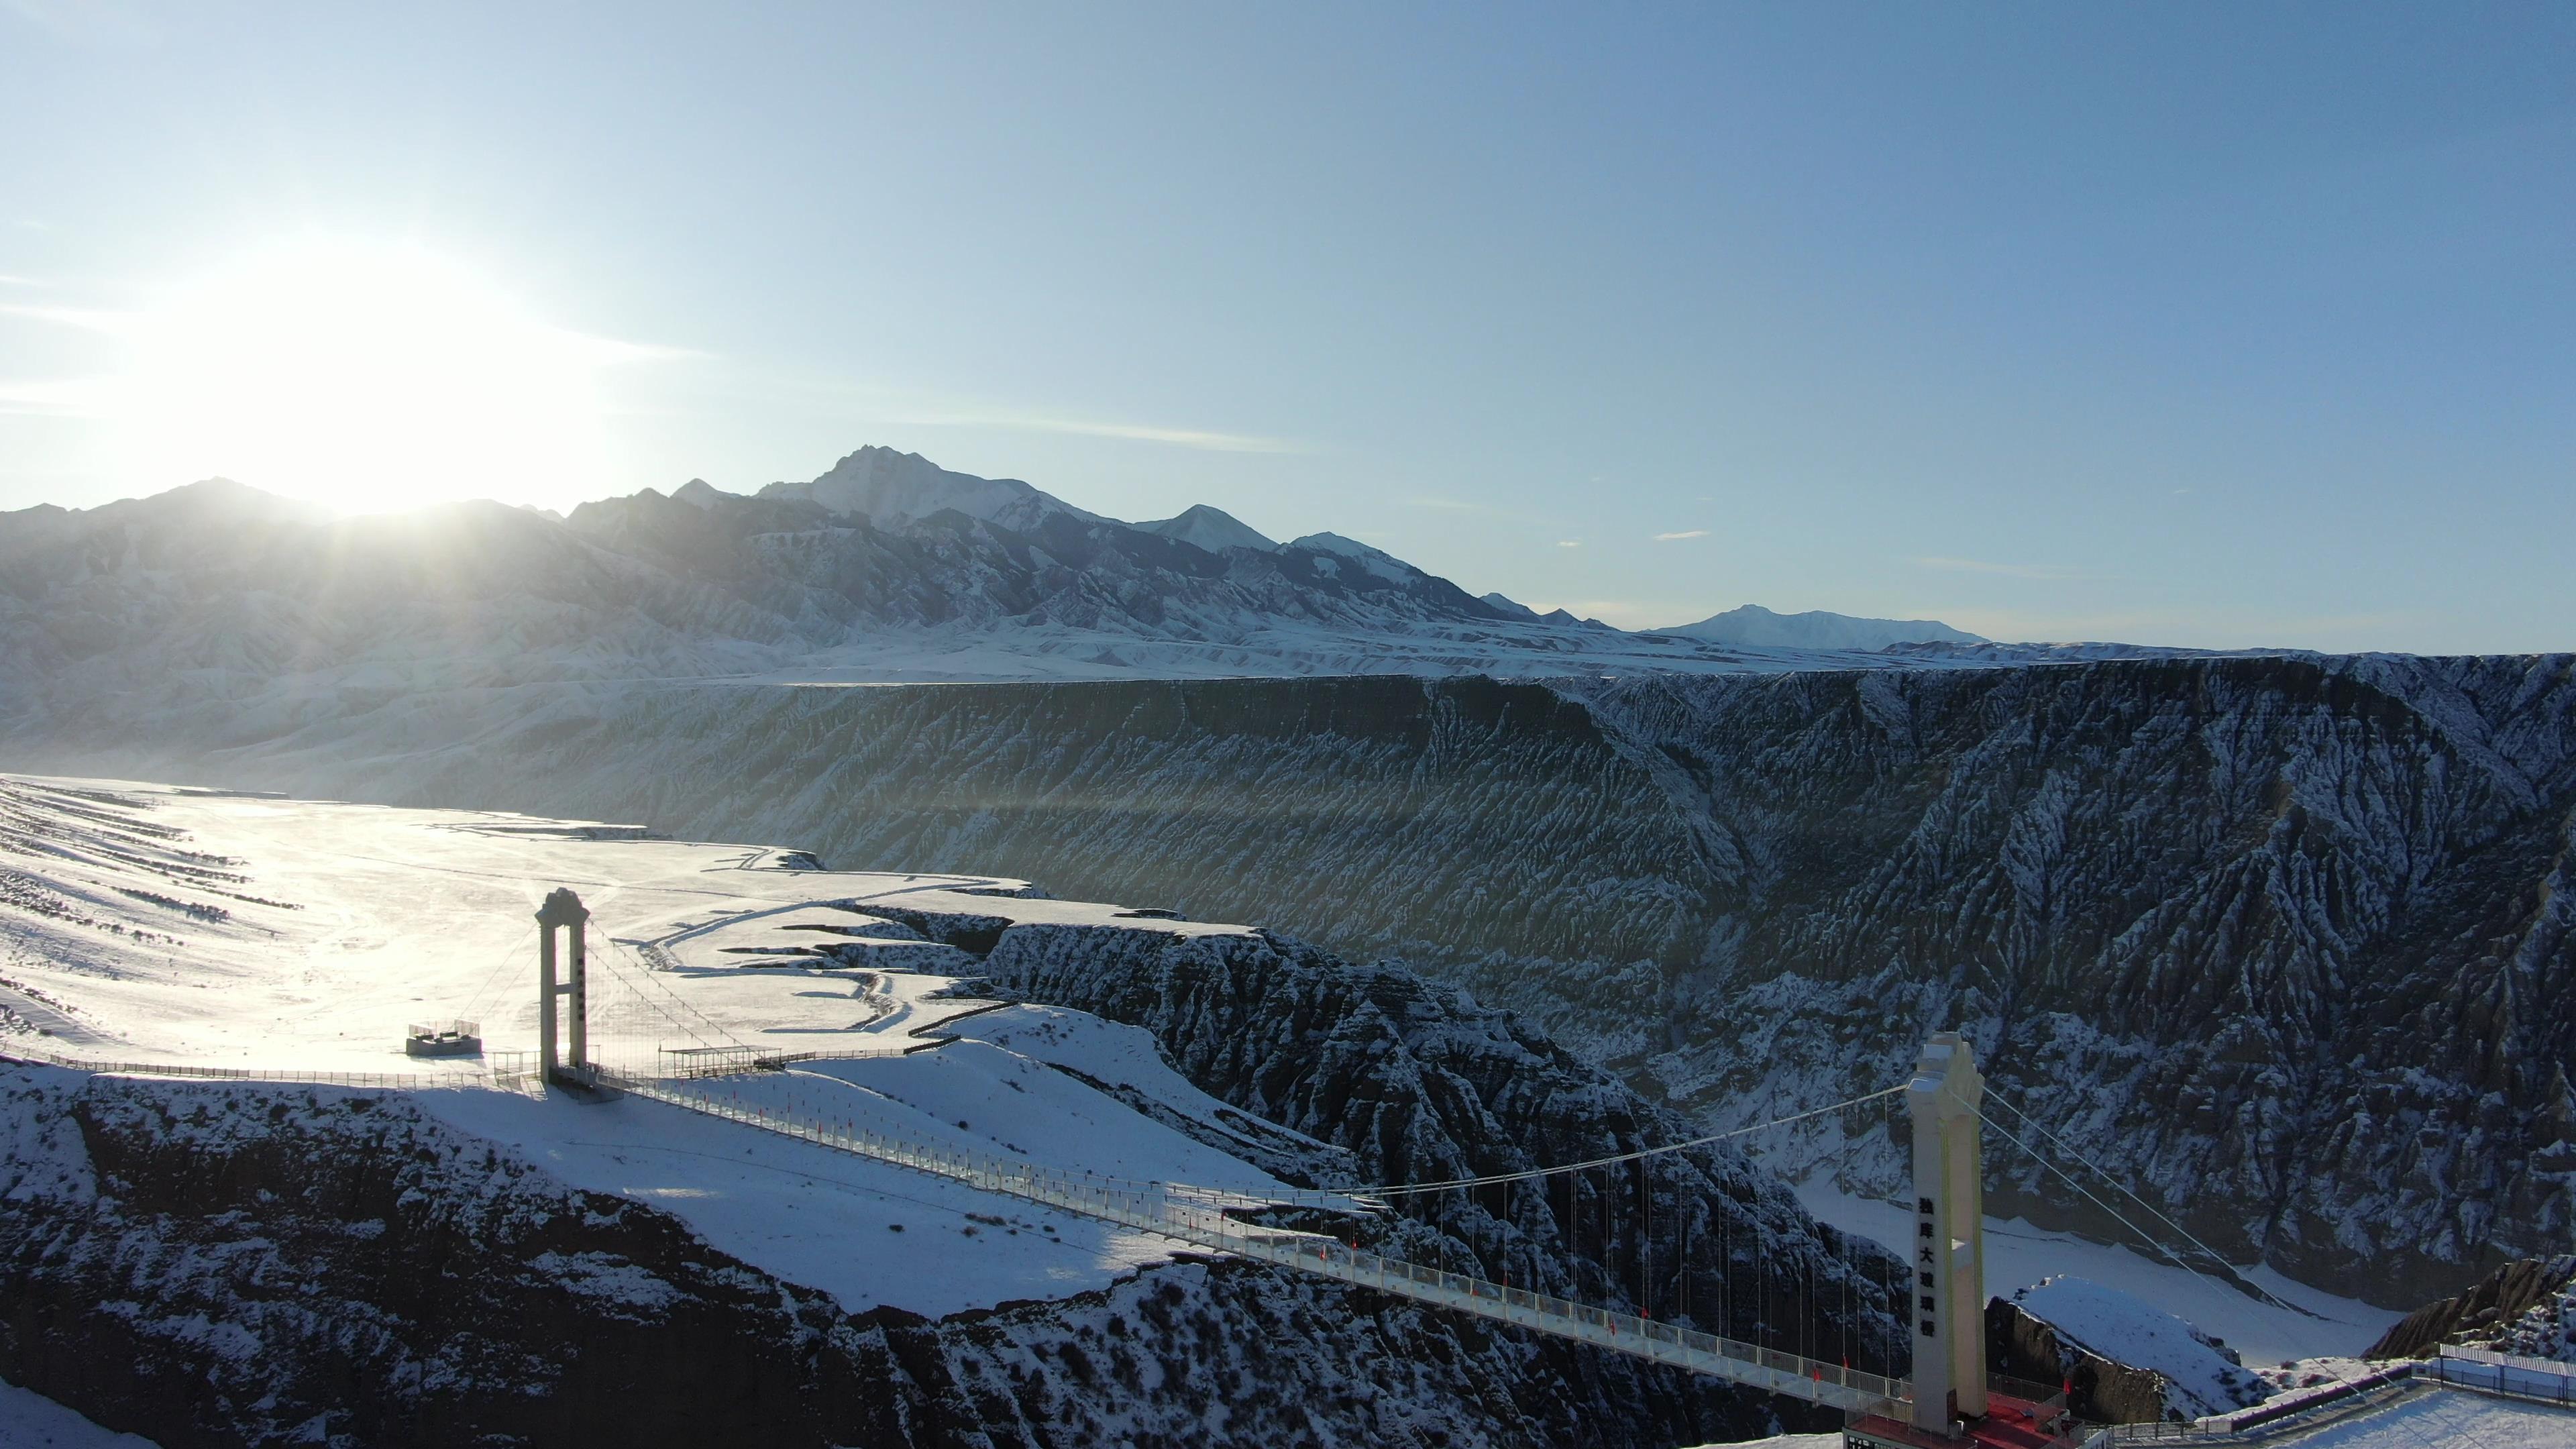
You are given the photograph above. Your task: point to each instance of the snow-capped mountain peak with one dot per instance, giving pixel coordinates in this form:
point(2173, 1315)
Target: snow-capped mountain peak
point(887, 487)
point(1376, 560)
point(1212, 529)
point(700, 493)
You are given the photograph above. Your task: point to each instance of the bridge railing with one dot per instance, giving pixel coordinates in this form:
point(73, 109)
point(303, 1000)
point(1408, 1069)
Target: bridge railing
point(411, 1081)
point(1189, 1213)
point(1200, 1216)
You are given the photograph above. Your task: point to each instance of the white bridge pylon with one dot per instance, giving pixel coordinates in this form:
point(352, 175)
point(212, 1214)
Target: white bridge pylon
point(1946, 1100)
point(563, 910)
point(1948, 1304)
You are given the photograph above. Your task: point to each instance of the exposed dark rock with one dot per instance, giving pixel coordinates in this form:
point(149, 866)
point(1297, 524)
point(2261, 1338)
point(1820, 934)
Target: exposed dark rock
point(2098, 1390)
point(2487, 1315)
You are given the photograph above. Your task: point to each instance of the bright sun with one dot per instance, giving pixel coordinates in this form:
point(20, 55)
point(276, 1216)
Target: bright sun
point(370, 378)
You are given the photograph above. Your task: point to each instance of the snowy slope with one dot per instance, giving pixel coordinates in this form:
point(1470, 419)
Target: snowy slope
point(2201, 1376)
point(150, 924)
point(32, 1421)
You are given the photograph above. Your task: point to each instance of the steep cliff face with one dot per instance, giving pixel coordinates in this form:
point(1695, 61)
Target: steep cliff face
point(238, 1265)
point(2282, 944)
point(2285, 946)
point(2526, 1308)
point(1421, 1085)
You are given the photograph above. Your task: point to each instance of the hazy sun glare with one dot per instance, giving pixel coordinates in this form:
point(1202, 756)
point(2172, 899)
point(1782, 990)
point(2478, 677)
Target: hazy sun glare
point(368, 378)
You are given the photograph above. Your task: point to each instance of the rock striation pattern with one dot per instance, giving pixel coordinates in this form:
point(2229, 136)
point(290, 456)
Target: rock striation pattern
point(2282, 945)
point(1418, 1084)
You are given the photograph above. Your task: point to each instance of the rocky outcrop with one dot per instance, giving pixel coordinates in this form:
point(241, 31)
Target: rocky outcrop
point(2526, 1307)
point(229, 1265)
point(2097, 1390)
point(1419, 1084)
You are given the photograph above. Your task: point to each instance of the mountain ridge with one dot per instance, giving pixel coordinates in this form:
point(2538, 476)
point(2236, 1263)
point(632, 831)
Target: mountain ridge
point(219, 592)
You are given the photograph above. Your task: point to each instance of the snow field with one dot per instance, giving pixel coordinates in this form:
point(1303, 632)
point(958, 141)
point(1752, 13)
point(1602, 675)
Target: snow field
point(2444, 1417)
point(345, 923)
point(868, 1233)
point(29, 1420)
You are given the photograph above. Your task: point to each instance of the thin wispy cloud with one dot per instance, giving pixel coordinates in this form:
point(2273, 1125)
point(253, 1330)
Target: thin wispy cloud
point(1204, 440)
point(58, 398)
point(81, 319)
point(7, 280)
point(617, 351)
point(1448, 505)
point(1569, 543)
point(1678, 537)
point(2008, 570)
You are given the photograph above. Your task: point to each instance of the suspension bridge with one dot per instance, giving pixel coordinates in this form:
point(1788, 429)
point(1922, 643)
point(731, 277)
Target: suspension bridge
point(1948, 1400)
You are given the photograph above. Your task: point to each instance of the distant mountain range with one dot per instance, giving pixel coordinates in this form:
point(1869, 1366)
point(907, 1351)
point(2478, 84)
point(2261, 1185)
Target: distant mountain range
point(1758, 627)
point(892, 490)
point(887, 567)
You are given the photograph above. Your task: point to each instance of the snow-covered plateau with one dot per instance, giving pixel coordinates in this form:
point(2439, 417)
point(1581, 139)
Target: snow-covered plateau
point(2281, 944)
point(447, 1258)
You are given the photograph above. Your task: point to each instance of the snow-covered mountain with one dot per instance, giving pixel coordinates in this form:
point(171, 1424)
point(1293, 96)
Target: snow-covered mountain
point(1754, 625)
point(1210, 528)
point(885, 568)
point(886, 488)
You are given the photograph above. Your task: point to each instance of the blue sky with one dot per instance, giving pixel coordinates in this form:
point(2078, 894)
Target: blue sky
point(2220, 325)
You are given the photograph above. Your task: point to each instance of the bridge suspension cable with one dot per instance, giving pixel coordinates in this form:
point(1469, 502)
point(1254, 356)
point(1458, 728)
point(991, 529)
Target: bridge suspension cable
point(2252, 1290)
point(516, 953)
point(1402, 1189)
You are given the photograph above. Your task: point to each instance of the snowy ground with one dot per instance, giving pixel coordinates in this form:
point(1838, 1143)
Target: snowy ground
point(2447, 1416)
point(31, 1421)
point(234, 931)
point(148, 923)
point(143, 923)
point(1249, 646)
point(2019, 1255)
point(2125, 1328)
